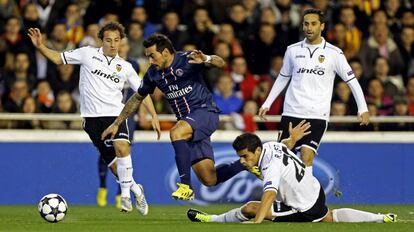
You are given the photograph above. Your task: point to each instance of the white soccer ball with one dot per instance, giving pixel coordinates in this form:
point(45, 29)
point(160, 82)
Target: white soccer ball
point(52, 207)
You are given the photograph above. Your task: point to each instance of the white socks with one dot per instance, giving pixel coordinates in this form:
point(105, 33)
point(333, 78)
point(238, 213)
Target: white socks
point(234, 215)
point(353, 215)
point(135, 188)
point(124, 170)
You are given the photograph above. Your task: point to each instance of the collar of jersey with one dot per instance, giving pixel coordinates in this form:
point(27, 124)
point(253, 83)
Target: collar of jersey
point(100, 50)
point(321, 45)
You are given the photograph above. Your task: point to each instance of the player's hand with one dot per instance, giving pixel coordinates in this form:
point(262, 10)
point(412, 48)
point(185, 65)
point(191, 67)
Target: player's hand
point(300, 130)
point(156, 126)
point(262, 113)
point(35, 36)
point(363, 118)
point(111, 130)
point(196, 57)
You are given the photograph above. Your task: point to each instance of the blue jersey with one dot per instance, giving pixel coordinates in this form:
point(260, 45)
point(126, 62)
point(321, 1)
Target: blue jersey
point(183, 86)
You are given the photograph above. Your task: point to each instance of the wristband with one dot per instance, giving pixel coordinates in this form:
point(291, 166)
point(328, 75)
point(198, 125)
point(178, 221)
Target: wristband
point(208, 59)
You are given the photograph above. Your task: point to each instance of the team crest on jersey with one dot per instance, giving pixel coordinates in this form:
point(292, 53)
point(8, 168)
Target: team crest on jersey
point(321, 58)
point(179, 72)
point(118, 67)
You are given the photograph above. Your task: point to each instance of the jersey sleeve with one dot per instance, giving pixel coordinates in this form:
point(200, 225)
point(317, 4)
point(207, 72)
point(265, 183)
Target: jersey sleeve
point(73, 56)
point(272, 174)
point(147, 85)
point(133, 78)
point(287, 67)
point(343, 69)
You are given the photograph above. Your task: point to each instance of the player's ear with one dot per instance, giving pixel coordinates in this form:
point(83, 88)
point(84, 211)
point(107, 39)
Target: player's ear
point(165, 53)
point(258, 151)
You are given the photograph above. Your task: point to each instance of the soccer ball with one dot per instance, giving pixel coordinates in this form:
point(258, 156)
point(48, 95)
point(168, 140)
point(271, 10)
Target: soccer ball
point(52, 207)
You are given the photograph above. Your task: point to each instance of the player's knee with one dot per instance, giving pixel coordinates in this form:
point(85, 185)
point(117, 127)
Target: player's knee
point(250, 209)
point(122, 149)
point(178, 134)
point(209, 181)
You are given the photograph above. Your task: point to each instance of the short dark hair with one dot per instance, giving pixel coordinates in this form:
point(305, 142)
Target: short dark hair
point(247, 140)
point(112, 26)
point(315, 11)
point(160, 41)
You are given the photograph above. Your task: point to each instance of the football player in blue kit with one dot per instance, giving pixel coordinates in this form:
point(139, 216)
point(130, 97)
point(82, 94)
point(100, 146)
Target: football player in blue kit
point(179, 76)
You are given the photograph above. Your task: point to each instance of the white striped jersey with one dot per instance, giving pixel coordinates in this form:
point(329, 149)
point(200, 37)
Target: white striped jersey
point(285, 173)
point(312, 70)
point(101, 81)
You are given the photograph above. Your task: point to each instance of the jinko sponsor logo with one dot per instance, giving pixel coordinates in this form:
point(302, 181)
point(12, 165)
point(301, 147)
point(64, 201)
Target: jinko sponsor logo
point(242, 187)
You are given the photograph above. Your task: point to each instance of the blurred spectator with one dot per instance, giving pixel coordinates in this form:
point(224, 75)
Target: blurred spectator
point(260, 50)
point(74, 27)
point(260, 93)
point(379, 17)
point(383, 103)
point(58, 40)
point(65, 79)
point(342, 93)
point(238, 19)
point(253, 10)
point(13, 102)
point(29, 107)
point(224, 96)
point(275, 66)
point(211, 74)
point(91, 37)
point(135, 39)
point(353, 35)
point(139, 14)
point(12, 39)
point(406, 46)
point(338, 108)
point(380, 44)
point(66, 105)
point(400, 109)
point(392, 9)
point(107, 18)
point(226, 34)
point(244, 81)
point(44, 96)
point(8, 8)
point(285, 9)
point(20, 72)
point(30, 16)
point(393, 85)
point(356, 66)
point(250, 109)
point(202, 30)
point(49, 11)
point(170, 28)
point(188, 47)
point(410, 94)
point(407, 18)
point(327, 8)
point(373, 126)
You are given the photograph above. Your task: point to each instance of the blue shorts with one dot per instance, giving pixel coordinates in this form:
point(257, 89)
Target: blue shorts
point(203, 123)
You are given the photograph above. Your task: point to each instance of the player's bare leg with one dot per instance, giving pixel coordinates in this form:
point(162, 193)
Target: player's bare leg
point(307, 155)
point(180, 134)
point(206, 172)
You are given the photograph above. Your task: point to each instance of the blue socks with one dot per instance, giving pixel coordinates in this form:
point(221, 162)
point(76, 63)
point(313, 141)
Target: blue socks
point(183, 160)
point(227, 171)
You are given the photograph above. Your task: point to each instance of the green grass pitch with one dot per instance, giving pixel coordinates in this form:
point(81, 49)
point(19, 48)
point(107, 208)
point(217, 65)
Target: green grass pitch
point(173, 218)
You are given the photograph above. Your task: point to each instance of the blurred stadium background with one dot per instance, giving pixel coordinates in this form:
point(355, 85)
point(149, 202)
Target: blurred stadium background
point(44, 149)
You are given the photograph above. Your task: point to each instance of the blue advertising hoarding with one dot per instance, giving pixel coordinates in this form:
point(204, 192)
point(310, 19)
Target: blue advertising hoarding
point(366, 173)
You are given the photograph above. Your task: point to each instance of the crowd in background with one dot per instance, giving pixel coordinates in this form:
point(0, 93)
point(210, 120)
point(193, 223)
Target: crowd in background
point(377, 37)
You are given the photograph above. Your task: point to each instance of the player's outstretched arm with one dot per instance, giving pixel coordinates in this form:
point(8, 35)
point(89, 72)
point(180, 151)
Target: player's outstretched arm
point(36, 38)
point(296, 133)
point(266, 202)
point(149, 105)
point(198, 57)
point(131, 106)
